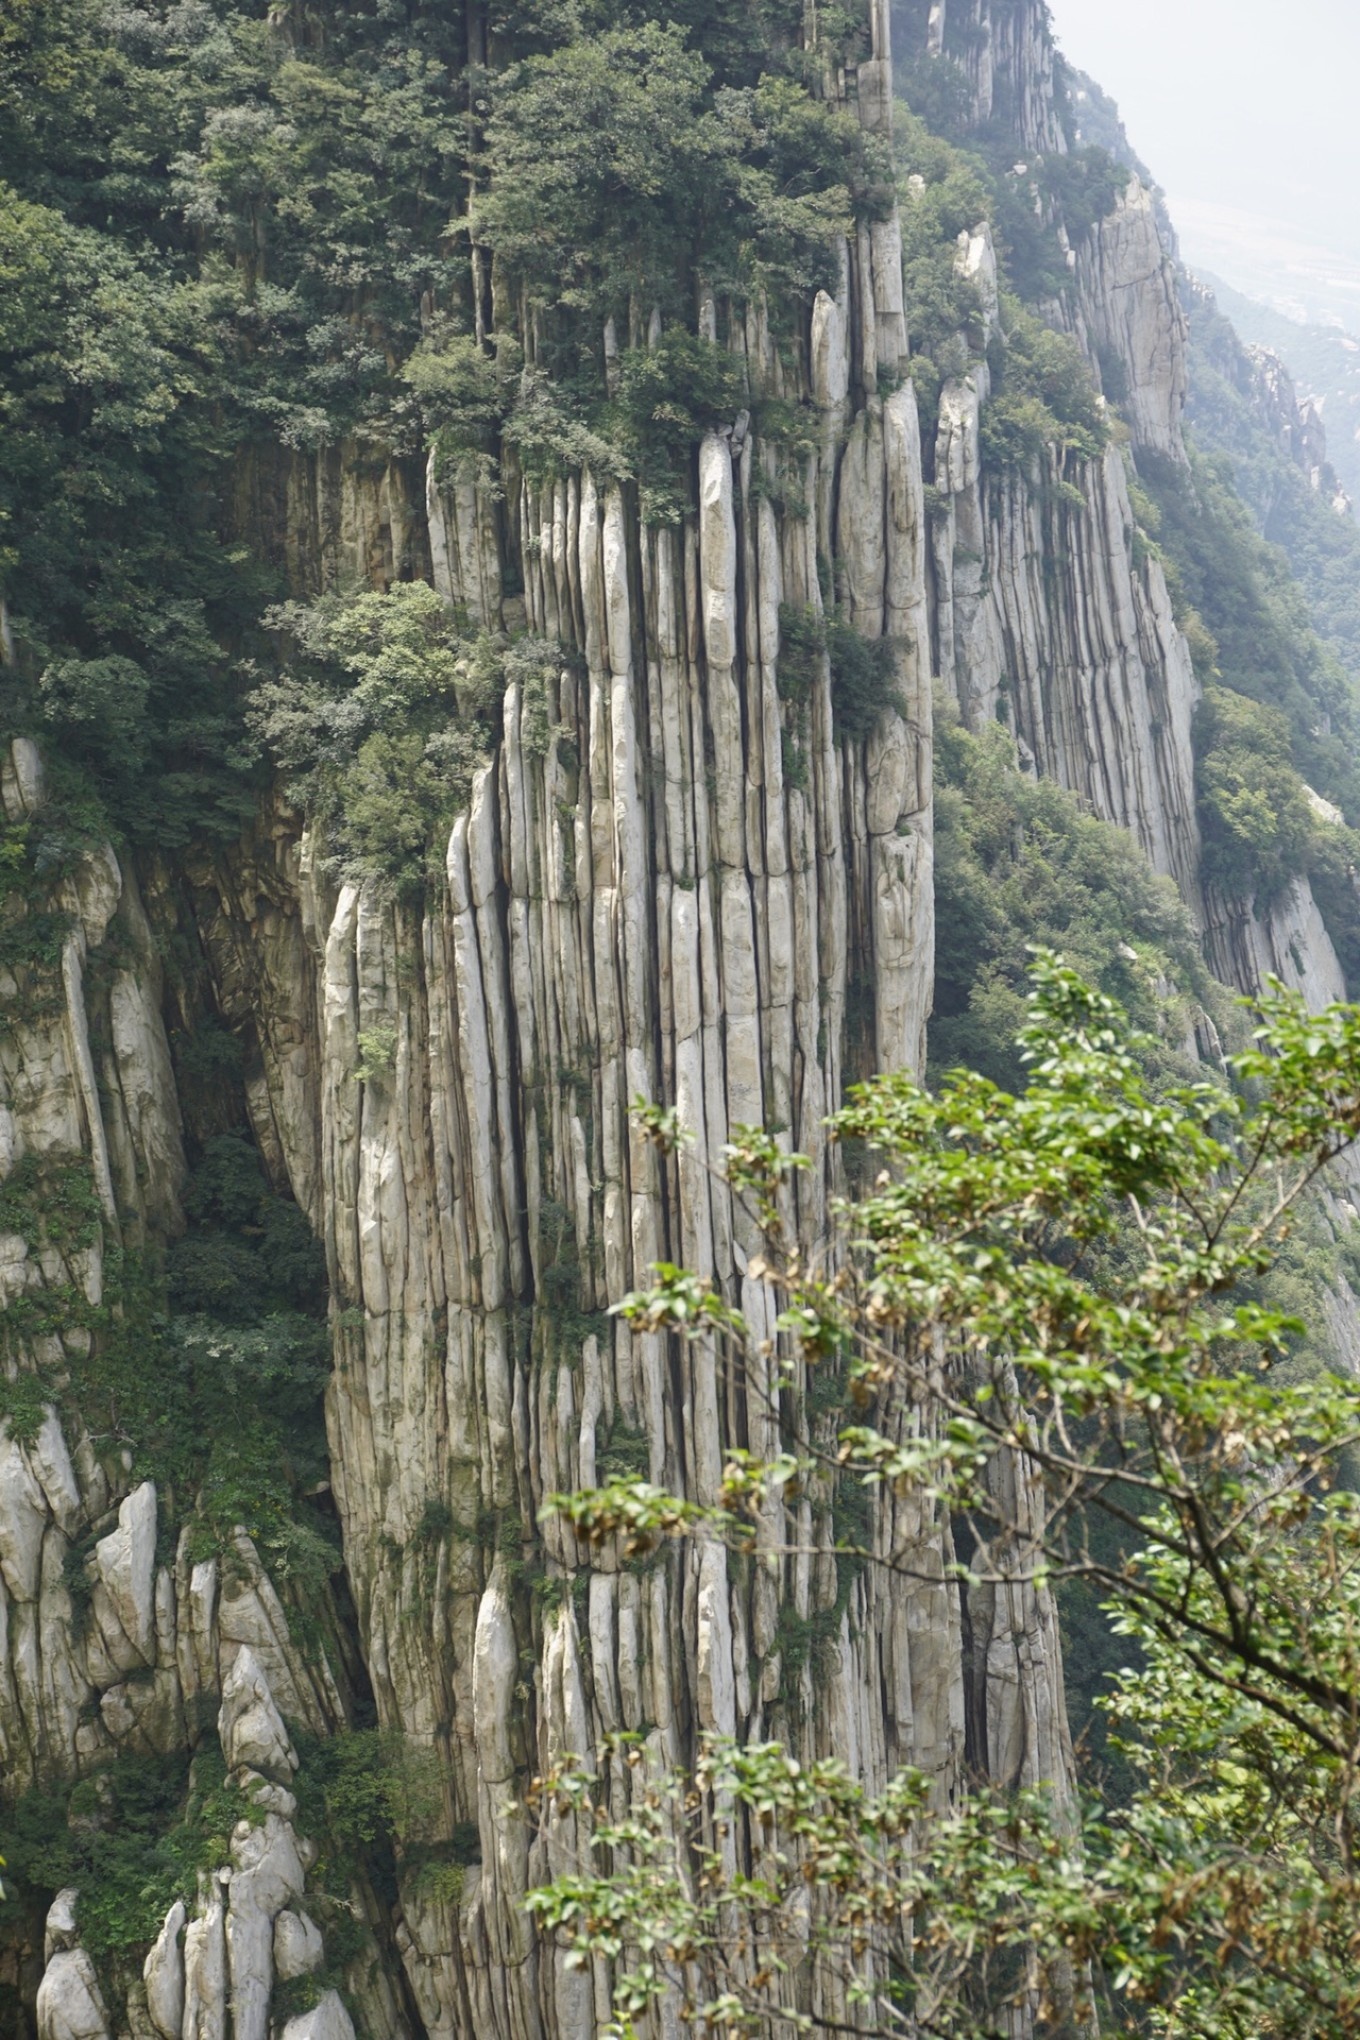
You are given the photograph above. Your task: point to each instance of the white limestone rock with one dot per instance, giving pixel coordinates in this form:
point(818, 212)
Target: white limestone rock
point(126, 1562)
point(60, 1932)
point(23, 1520)
point(70, 2006)
point(94, 890)
point(1289, 940)
point(1132, 310)
point(250, 1724)
point(52, 1468)
point(327, 2020)
point(298, 1948)
point(205, 1966)
point(267, 1876)
point(163, 1976)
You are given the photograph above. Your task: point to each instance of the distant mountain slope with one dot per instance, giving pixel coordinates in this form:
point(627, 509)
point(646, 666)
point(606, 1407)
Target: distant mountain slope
point(1324, 362)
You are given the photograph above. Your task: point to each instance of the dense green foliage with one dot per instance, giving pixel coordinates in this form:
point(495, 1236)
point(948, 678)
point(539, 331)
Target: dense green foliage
point(1258, 827)
point(136, 1834)
point(621, 164)
point(384, 718)
point(1079, 189)
point(133, 1837)
point(615, 168)
point(213, 237)
point(1018, 862)
point(208, 1372)
point(37, 857)
point(947, 193)
point(233, 237)
point(1043, 395)
point(863, 674)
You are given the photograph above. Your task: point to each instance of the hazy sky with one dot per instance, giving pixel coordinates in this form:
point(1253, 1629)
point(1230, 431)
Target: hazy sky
point(1248, 104)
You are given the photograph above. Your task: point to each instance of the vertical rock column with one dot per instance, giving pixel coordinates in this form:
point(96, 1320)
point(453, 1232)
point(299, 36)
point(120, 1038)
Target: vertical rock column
point(640, 905)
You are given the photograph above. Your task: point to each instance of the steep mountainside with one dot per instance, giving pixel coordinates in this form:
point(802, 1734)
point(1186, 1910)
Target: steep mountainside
point(677, 424)
point(1324, 361)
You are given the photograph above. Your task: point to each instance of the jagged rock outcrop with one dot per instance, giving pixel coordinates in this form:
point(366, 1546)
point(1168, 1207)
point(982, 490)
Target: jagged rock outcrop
point(1044, 616)
point(1047, 607)
point(679, 929)
point(1043, 612)
point(1294, 424)
point(298, 1946)
point(346, 515)
point(127, 1669)
point(1287, 940)
point(70, 2004)
point(1293, 427)
point(327, 2020)
point(1127, 298)
point(163, 1975)
point(1048, 613)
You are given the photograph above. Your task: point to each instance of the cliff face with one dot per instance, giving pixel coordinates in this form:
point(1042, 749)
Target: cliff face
point(640, 902)
point(622, 918)
point(1005, 50)
point(652, 894)
point(1130, 308)
point(1052, 612)
point(1041, 614)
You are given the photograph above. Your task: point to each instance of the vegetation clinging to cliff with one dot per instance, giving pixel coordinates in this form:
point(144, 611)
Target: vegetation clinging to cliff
point(616, 169)
point(1043, 392)
point(1018, 862)
point(382, 721)
point(232, 240)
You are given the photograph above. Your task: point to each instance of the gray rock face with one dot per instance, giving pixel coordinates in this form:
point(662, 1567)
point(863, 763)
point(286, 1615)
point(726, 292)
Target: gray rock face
point(298, 1948)
point(205, 1966)
point(1005, 50)
point(249, 1722)
point(327, 2020)
point(60, 1931)
point(1126, 290)
point(1037, 592)
point(268, 1875)
point(1288, 941)
point(69, 2004)
point(163, 1976)
point(126, 1560)
point(680, 934)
